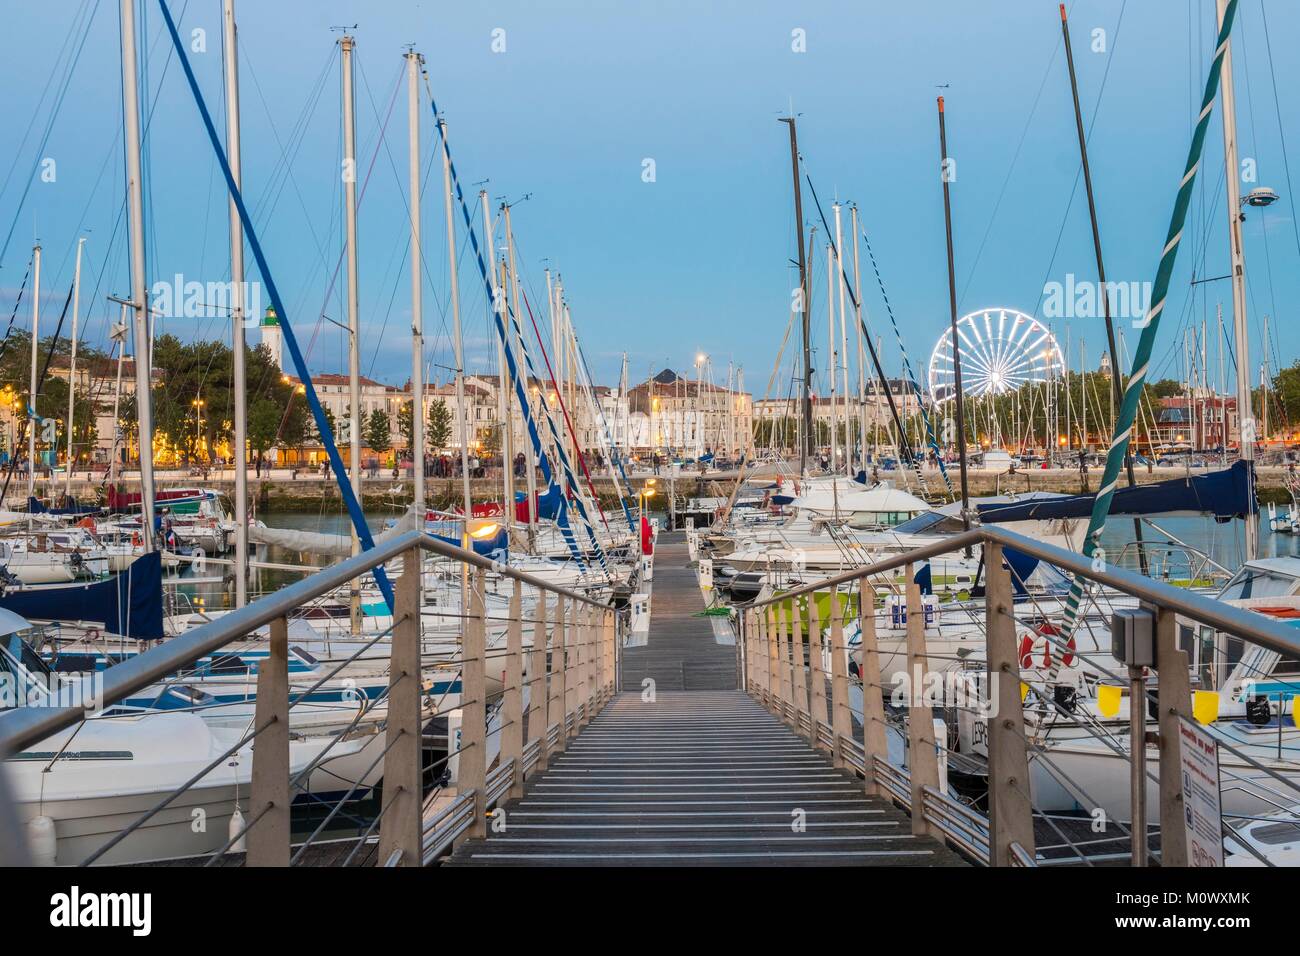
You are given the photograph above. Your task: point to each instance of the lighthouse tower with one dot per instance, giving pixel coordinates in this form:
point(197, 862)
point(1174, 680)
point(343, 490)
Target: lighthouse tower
point(271, 335)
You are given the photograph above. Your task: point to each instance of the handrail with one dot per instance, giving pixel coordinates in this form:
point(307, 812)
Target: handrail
point(25, 726)
point(1223, 617)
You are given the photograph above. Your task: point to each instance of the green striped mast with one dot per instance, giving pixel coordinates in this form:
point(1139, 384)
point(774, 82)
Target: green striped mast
point(1142, 357)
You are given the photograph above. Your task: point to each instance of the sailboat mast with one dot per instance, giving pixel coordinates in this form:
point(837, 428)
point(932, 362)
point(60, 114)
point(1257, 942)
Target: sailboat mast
point(805, 445)
point(413, 63)
point(952, 301)
point(457, 339)
point(530, 467)
point(1240, 331)
point(120, 336)
point(72, 365)
point(1116, 376)
point(831, 360)
point(139, 285)
point(354, 306)
point(31, 394)
point(857, 311)
point(354, 299)
point(237, 317)
point(843, 370)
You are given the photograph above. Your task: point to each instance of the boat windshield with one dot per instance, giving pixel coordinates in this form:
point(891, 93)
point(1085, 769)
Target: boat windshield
point(1256, 582)
point(930, 522)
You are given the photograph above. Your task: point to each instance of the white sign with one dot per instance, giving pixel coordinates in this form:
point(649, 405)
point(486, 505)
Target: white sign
point(1202, 812)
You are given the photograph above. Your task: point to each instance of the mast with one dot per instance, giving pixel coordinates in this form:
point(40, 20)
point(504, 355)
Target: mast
point(805, 447)
point(843, 370)
point(139, 285)
point(413, 63)
point(354, 306)
point(1116, 375)
point(120, 337)
point(31, 394)
point(457, 339)
point(72, 364)
point(831, 360)
point(857, 311)
point(1240, 330)
point(530, 468)
point(952, 301)
point(237, 316)
point(497, 306)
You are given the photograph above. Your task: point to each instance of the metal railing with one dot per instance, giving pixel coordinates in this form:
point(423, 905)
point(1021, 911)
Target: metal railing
point(567, 683)
point(774, 634)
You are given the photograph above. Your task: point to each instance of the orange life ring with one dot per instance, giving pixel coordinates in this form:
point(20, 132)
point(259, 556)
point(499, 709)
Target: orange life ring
point(136, 540)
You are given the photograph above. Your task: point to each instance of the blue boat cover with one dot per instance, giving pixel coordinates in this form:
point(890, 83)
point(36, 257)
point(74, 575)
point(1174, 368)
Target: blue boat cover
point(1224, 494)
point(129, 603)
point(36, 507)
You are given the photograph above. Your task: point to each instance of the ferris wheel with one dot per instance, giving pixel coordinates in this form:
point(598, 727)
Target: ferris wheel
point(1001, 350)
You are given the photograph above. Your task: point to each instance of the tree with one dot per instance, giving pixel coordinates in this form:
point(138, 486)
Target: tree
point(406, 423)
point(263, 425)
point(439, 425)
point(376, 431)
point(1167, 388)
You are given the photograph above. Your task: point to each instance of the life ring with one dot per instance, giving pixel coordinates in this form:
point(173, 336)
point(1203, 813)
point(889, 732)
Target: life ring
point(1032, 645)
point(136, 540)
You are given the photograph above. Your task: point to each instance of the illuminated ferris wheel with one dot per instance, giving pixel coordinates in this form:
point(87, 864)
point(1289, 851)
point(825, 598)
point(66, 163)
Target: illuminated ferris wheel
point(1001, 350)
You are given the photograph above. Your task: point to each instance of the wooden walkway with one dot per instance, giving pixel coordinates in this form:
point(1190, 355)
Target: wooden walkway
point(693, 772)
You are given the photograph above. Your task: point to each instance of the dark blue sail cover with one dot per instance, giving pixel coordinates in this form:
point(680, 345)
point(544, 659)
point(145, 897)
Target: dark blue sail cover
point(36, 507)
point(129, 603)
point(1223, 494)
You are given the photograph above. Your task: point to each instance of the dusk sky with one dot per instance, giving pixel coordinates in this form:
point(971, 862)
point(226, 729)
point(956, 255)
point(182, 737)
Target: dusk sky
point(698, 260)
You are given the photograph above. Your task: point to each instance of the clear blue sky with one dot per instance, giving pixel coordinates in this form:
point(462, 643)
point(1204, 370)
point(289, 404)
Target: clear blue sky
point(699, 259)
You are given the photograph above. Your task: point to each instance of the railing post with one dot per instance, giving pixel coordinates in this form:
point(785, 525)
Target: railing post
point(472, 764)
point(1174, 701)
point(401, 827)
point(775, 672)
point(875, 742)
point(817, 712)
point(922, 760)
point(559, 671)
point(593, 662)
point(1010, 810)
point(841, 715)
point(572, 674)
point(783, 660)
point(797, 676)
point(268, 840)
point(538, 694)
point(512, 705)
point(746, 630)
point(579, 666)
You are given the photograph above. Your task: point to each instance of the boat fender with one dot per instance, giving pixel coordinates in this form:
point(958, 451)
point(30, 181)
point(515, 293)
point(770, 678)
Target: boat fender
point(43, 841)
point(236, 826)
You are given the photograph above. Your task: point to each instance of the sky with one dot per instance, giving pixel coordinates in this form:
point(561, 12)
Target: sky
point(564, 108)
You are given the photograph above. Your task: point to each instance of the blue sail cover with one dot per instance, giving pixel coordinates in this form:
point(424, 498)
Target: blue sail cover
point(1224, 494)
point(36, 507)
point(129, 604)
